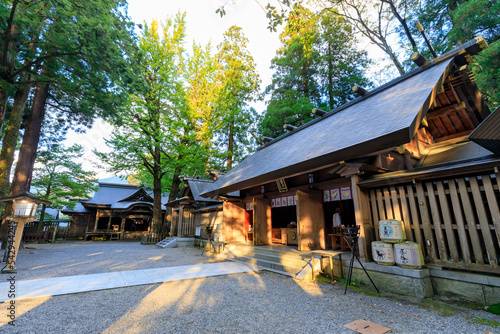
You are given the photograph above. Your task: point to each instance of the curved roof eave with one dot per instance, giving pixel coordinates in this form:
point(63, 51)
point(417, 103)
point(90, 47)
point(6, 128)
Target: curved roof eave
point(393, 115)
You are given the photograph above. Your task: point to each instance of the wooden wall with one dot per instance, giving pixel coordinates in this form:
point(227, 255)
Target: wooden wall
point(310, 220)
point(186, 226)
point(234, 222)
point(211, 218)
point(456, 220)
point(79, 225)
point(262, 221)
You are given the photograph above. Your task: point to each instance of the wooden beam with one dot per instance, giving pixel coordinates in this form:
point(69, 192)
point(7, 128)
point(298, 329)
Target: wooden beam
point(362, 215)
point(436, 221)
point(430, 244)
point(405, 213)
point(262, 221)
point(483, 221)
point(471, 221)
point(448, 223)
point(457, 212)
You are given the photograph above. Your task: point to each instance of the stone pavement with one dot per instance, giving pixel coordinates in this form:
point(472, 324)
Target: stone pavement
point(46, 287)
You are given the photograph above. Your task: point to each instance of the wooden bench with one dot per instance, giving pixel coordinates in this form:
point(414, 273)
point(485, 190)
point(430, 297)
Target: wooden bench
point(326, 253)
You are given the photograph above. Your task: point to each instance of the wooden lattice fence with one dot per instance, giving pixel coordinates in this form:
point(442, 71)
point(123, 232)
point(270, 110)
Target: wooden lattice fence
point(456, 221)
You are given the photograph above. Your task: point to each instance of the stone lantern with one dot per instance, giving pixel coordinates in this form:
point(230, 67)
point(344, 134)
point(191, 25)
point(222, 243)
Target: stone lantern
point(24, 208)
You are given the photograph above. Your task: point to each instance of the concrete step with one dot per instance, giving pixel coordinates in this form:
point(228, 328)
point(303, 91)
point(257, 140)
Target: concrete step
point(289, 253)
point(167, 243)
point(278, 257)
point(265, 264)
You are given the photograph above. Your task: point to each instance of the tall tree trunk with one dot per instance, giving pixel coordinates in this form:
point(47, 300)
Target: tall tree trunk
point(330, 76)
point(7, 59)
point(10, 138)
point(174, 191)
point(42, 212)
point(403, 23)
point(393, 57)
point(230, 146)
point(157, 189)
point(27, 153)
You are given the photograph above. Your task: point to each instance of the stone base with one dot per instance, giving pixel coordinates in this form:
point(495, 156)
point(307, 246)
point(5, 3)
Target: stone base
point(393, 279)
point(185, 242)
point(461, 286)
point(427, 282)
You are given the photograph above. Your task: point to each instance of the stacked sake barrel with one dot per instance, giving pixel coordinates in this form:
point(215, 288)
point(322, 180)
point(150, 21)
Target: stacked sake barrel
point(393, 247)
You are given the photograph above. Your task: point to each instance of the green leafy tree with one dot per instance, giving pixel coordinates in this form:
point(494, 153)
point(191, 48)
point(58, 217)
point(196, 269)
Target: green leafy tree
point(59, 179)
point(449, 23)
point(141, 141)
point(239, 85)
point(167, 130)
point(316, 66)
point(72, 56)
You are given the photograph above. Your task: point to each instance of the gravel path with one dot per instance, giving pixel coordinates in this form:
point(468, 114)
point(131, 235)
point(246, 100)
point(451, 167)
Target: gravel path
point(79, 258)
point(260, 302)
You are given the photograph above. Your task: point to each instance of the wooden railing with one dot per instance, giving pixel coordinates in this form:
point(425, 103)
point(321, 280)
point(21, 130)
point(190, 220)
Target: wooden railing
point(152, 238)
point(456, 221)
point(31, 234)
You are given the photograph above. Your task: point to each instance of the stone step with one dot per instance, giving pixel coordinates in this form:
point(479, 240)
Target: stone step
point(265, 264)
point(287, 253)
point(167, 243)
point(278, 257)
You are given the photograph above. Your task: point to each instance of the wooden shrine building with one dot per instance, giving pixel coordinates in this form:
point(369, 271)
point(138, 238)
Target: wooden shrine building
point(423, 148)
point(116, 211)
point(190, 210)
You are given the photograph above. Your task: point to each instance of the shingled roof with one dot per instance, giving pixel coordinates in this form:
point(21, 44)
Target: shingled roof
point(116, 196)
point(386, 117)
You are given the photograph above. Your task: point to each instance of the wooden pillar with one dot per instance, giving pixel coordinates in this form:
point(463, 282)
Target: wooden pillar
point(362, 215)
point(234, 222)
point(175, 220)
point(15, 234)
point(180, 221)
point(109, 223)
point(122, 228)
point(310, 220)
point(96, 221)
point(262, 221)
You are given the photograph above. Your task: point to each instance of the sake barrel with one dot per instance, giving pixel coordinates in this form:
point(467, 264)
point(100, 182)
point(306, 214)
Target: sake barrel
point(383, 253)
point(409, 255)
point(392, 231)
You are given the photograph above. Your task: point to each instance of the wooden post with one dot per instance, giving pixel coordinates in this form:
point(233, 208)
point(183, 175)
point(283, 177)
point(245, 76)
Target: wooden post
point(181, 218)
point(54, 233)
point(234, 222)
point(122, 228)
point(15, 233)
point(96, 221)
point(109, 223)
point(262, 221)
point(362, 215)
point(310, 220)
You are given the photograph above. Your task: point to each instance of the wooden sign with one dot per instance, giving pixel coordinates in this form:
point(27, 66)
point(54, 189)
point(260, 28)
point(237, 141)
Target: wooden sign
point(282, 185)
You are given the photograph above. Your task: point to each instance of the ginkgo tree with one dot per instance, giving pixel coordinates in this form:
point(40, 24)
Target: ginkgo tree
point(239, 86)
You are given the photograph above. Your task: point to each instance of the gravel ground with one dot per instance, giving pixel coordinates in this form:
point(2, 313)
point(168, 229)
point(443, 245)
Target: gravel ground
point(80, 258)
point(261, 302)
